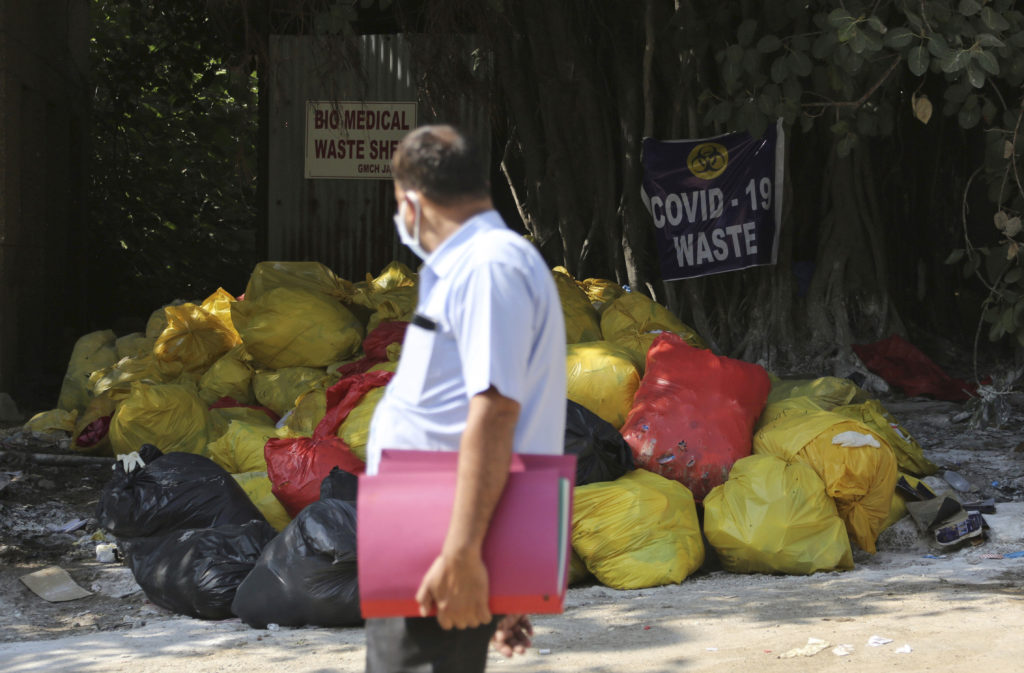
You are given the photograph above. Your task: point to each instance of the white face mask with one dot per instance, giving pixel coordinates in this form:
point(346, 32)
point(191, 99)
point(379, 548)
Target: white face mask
point(413, 241)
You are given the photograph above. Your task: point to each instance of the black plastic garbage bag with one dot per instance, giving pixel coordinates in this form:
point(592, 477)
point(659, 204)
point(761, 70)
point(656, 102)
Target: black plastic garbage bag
point(307, 574)
point(196, 572)
point(173, 491)
point(339, 485)
point(601, 452)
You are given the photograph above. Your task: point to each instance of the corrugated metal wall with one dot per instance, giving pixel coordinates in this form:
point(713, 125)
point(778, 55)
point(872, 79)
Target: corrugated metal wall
point(346, 224)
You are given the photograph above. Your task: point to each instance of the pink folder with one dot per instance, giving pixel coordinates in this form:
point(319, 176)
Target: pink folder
point(404, 512)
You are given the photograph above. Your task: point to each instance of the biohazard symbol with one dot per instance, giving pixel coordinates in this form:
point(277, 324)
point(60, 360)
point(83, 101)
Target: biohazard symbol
point(708, 160)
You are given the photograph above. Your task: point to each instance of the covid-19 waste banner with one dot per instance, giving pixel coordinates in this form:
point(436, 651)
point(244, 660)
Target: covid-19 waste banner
point(716, 202)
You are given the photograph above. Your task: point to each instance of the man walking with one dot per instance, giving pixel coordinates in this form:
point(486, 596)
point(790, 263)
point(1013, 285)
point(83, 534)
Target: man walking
point(482, 372)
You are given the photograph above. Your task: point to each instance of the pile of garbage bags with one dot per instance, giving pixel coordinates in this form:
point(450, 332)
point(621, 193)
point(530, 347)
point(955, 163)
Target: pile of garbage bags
point(233, 417)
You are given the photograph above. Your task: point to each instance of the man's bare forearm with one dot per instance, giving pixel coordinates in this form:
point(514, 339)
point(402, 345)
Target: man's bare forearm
point(484, 455)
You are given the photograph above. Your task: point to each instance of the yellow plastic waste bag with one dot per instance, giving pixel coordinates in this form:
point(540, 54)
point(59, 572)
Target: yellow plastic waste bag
point(774, 517)
point(53, 421)
point(279, 390)
point(602, 377)
point(240, 449)
point(93, 351)
point(288, 327)
point(310, 408)
point(258, 487)
point(157, 323)
point(224, 415)
point(355, 431)
point(861, 479)
point(397, 304)
point(601, 292)
point(147, 368)
point(218, 305)
point(909, 454)
point(135, 345)
point(634, 321)
point(310, 276)
point(638, 531)
point(230, 376)
point(821, 394)
point(194, 337)
point(169, 416)
point(394, 275)
point(581, 319)
point(578, 572)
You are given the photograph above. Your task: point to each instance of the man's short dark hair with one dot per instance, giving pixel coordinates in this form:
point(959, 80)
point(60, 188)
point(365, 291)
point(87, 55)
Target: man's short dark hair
point(441, 163)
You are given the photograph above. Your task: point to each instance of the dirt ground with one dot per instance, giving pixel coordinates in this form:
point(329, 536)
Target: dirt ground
point(943, 610)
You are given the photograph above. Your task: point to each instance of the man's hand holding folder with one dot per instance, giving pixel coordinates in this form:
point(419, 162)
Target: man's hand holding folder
point(403, 519)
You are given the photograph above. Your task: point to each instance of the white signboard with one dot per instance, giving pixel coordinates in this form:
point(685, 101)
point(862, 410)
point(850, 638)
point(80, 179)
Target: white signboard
point(355, 139)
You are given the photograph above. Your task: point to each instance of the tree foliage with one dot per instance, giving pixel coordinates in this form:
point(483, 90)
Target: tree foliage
point(173, 194)
point(889, 106)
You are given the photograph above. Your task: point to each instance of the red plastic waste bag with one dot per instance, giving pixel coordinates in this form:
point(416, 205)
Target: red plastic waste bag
point(297, 465)
point(375, 347)
point(694, 413)
point(901, 364)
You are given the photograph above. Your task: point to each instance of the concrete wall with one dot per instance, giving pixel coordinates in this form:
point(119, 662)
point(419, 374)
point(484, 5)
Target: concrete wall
point(43, 152)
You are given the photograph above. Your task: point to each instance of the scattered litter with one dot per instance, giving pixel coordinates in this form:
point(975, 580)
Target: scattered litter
point(711, 649)
point(69, 527)
point(956, 481)
point(54, 584)
point(116, 583)
point(544, 651)
point(273, 627)
point(106, 553)
point(905, 649)
point(854, 439)
point(992, 556)
point(647, 628)
point(878, 641)
point(813, 646)
point(1014, 554)
point(934, 556)
point(842, 650)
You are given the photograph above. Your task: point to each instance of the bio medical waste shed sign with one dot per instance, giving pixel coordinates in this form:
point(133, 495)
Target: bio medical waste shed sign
point(355, 139)
point(716, 202)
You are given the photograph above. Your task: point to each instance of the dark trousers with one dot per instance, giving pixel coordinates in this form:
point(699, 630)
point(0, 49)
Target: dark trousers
point(420, 645)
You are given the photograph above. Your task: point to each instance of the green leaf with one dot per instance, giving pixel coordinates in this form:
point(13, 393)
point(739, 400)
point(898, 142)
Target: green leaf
point(969, 7)
point(768, 44)
point(857, 41)
point(898, 37)
point(846, 145)
point(975, 75)
point(954, 61)
point(955, 256)
point(937, 46)
point(969, 117)
point(824, 45)
point(877, 24)
point(973, 262)
point(848, 32)
point(780, 71)
point(800, 64)
point(917, 60)
point(989, 40)
point(734, 53)
point(838, 18)
point(1012, 276)
point(987, 61)
point(745, 33)
point(993, 19)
